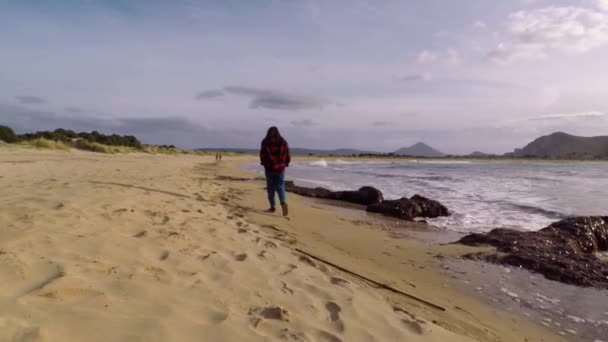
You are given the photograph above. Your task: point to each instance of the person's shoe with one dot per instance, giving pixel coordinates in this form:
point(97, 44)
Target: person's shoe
point(271, 210)
point(285, 209)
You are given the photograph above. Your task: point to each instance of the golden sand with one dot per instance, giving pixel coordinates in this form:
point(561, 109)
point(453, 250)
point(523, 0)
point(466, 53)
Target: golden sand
point(176, 248)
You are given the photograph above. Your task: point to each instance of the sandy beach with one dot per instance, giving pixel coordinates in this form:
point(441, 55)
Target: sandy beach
point(141, 247)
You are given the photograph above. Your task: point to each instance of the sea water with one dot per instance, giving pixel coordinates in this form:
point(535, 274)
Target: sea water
point(481, 195)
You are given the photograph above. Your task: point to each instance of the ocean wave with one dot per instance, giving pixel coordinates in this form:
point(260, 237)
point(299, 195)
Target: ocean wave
point(445, 162)
point(483, 196)
point(315, 183)
point(532, 209)
point(321, 163)
point(344, 162)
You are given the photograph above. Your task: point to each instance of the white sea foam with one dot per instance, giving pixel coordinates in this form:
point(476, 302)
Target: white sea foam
point(321, 162)
point(481, 195)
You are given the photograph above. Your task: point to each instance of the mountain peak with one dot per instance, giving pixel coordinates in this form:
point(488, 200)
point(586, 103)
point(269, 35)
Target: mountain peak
point(564, 145)
point(419, 149)
point(559, 134)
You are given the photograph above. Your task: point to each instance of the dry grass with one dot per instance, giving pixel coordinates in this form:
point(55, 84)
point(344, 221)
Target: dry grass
point(101, 148)
point(45, 144)
point(85, 145)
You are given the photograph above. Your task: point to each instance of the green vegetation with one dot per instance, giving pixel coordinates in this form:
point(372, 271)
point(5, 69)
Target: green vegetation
point(63, 139)
point(69, 137)
point(45, 143)
point(7, 134)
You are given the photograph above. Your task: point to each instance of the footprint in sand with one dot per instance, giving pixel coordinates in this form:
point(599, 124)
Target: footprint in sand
point(334, 315)
point(338, 281)
point(262, 254)
point(290, 268)
point(163, 255)
point(286, 288)
point(217, 317)
point(242, 230)
point(413, 326)
point(411, 323)
point(140, 234)
point(273, 312)
point(270, 244)
point(206, 256)
point(290, 336)
point(240, 257)
point(307, 260)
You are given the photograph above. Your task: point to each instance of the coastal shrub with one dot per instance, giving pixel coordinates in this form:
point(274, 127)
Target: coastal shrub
point(85, 145)
point(7, 134)
point(68, 136)
point(161, 149)
point(45, 143)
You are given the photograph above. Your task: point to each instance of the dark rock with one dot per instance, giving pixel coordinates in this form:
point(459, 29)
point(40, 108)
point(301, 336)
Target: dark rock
point(404, 208)
point(366, 195)
point(309, 192)
point(408, 209)
point(565, 251)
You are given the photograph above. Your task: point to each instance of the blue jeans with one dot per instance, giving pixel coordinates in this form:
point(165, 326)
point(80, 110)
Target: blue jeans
point(275, 183)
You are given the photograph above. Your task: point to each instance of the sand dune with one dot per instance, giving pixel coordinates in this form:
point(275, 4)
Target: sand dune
point(158, 248)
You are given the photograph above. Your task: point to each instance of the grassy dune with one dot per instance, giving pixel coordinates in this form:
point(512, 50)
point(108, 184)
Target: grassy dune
point(47, 144)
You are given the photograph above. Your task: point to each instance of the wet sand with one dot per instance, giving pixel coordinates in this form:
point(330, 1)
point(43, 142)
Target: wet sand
point(580, 314)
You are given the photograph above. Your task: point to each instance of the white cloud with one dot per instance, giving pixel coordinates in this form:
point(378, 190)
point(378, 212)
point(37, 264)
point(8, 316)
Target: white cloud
point(418, 77)
point(536, 33)
point(479, 25)
point(450, 56)
point(528, 2)
point(602, 4)
point(426, 57)
point(579, 115)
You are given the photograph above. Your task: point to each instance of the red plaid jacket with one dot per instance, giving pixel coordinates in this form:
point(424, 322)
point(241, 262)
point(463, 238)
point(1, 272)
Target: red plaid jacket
point(274, 155)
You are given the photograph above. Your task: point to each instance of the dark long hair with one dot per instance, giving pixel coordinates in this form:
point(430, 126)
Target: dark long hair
point(273, 132)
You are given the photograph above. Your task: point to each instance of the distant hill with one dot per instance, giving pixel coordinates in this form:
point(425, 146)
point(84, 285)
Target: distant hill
point(419, 150)
point(336, 152)
point(416, 150)
point(479, 154)
point(563, 145)
point(228, 149)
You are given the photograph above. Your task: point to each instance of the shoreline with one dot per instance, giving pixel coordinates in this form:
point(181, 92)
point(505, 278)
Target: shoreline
point(554, 305)
point(423, 159)
point(178, 247)
point(392, 247)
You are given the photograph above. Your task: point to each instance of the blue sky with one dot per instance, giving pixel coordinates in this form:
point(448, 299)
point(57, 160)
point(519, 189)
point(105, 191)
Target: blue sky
point(459, 75)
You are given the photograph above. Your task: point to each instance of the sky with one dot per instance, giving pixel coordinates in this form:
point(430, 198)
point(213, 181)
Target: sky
point(459, 75)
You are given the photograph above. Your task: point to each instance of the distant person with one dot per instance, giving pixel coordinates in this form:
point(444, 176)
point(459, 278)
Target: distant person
point(274, 156)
